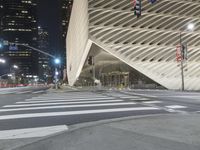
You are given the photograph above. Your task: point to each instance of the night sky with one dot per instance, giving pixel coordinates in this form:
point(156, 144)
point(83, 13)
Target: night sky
point(49, 17)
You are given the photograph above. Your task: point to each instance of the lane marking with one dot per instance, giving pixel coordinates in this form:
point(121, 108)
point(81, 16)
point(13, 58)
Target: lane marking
point(175, 106)
point(61, 103)
point(67, 106)
point(68, 113)
point(31, 132)
point(23, 92)
point(152, 102)
point(35, 99)
point(146, 95)
point(38, 92)
point(140, 99)
point(73, 100)
point(133, 97)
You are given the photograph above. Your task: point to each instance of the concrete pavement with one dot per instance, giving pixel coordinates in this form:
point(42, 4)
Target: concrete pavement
point(162, 132)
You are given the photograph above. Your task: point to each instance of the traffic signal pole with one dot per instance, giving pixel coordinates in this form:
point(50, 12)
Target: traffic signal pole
point(182, 71)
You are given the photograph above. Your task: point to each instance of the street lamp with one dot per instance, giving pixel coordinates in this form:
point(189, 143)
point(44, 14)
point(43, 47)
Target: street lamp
point(57, 61)
point(3, 61)
point(190, 27)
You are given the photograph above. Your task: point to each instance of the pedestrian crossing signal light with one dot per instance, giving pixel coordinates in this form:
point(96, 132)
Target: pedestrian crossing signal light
point(138, 8)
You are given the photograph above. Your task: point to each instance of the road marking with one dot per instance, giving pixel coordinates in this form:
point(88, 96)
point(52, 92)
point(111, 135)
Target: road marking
point(175, 106)
point(31, 132)
point(140, 99)
point(37, 92)
point(7, 93)
point(62, 103)
point(133, 97)
point(68, 100)
point(152, 102)
point(23, 92)
point(68, 113)
point(38, 99)
point(146, 95)
point(67, 106)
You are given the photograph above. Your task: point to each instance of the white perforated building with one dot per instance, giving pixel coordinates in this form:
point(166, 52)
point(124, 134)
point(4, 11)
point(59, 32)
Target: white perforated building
point(147, 44)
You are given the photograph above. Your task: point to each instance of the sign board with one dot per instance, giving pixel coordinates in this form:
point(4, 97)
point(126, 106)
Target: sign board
point(178, 53)
point(13, 47)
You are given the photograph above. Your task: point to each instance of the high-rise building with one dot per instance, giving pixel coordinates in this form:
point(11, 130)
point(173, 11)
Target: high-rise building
point(19, 25)
point(66, 11)
point(44, 69)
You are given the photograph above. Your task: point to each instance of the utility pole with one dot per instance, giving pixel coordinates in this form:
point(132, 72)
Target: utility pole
point(93, 66)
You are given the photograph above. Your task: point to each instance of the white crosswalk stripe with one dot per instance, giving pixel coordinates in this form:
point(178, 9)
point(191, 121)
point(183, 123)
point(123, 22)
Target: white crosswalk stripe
point(67, 113)
point(63, 103)
point(31, 132)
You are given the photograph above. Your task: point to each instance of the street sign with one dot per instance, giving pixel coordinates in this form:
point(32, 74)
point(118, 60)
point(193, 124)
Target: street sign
point(13, 47)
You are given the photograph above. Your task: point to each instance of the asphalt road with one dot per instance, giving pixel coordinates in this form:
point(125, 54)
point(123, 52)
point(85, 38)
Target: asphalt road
point(38, 108)
point(12, 95)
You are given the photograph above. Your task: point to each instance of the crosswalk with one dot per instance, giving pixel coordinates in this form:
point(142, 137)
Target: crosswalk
point(55, 110)
point(58, 109)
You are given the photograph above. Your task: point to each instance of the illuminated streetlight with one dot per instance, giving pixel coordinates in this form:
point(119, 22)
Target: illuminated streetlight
point(57, 61)
point(2, 61)
point(190, 26)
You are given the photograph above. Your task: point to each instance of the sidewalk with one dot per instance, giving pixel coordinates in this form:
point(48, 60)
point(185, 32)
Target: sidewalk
point(162, 132)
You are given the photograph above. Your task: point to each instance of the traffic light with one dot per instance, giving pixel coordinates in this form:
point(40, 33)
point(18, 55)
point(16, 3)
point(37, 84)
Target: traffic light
point(138, 8)
point(90, 61)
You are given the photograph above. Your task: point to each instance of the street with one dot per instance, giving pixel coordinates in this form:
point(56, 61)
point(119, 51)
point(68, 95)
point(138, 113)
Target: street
point(40, 108)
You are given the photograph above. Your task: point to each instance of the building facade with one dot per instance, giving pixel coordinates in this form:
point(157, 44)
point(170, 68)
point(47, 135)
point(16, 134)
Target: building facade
point(44, 66)
point(19, 25)
point(147, 44)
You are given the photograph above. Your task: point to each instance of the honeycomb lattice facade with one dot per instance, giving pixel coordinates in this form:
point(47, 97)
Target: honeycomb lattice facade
point(147, 44)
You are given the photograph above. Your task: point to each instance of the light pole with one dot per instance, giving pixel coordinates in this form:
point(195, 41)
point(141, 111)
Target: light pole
point(190, 27)
point(57, 63)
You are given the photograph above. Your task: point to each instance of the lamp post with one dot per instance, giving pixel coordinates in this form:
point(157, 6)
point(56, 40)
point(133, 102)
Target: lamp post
point(57, 63)
point(190, 27)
